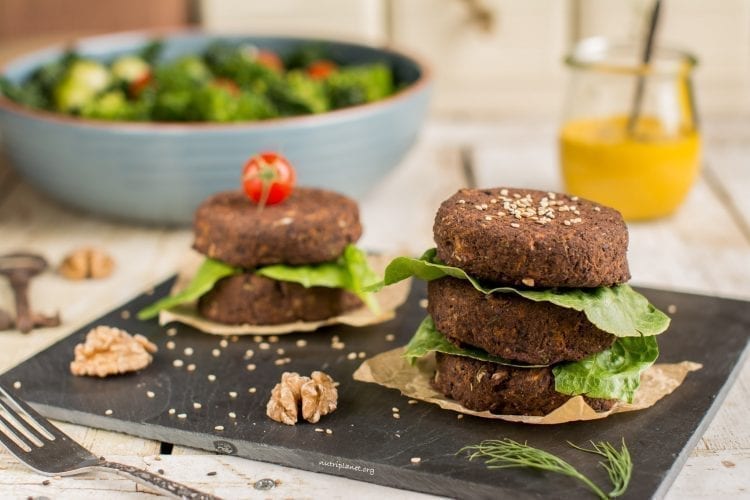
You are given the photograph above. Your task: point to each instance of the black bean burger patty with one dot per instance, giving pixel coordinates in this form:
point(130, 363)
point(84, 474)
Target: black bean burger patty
point(527, 237)
point(503, 390)
point(509, 326)
point(255, 300)
point(311, 226)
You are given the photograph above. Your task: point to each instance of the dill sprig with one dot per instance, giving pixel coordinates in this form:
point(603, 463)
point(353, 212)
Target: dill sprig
point(506, 453)
point(618, 465)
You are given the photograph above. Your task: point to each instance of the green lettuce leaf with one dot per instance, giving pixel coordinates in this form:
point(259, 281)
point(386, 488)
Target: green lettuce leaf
point(614, 373)
point(611, 374)
point(428, 339)
point(618, 310)
point(204, 280)
point(350, 272)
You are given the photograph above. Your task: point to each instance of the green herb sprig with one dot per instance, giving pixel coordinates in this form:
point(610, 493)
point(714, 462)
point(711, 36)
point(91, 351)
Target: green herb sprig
point(618, 465)
point(507, 453)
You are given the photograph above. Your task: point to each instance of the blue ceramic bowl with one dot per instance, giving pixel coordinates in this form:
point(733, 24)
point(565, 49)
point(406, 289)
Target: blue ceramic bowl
point(159, 173)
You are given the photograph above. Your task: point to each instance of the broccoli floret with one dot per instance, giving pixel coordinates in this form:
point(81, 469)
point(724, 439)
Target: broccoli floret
point(299, 94)
point(130, 68)
point(81, 83)
point(239, 65)
point(112, 105)
point(151, 52)
point(220, 104)
point(304, 56)
point(354, 85)
point(183, 73)
point(172, 105)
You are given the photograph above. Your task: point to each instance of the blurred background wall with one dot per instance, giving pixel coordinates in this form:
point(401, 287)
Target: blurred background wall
point(492, 58)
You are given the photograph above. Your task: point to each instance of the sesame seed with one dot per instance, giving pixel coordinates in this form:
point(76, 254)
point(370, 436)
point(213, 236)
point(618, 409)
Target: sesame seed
point(170, 344)
point(273, 339)
point(335, 338)
point(362, 355)
point(125, 314)
point(493, 201)
point(17, 384)
point(257, 339)
point(351, 355)
point(249, 353)
point(395, 410)
point(232, 394)
point(172, 411)
point(528, 281)
point(574, 198)
point(250, 367)
point(423, 303)
point(191, 367)
point(396, 416)
point(487, 217)
point(264, 346)
point(150, 394)
point(223, 343)
point(177, 363)
point(338, 346)
point(460, 416)
point(252, 390)
point(182, 416)
point(329, 431)
point(598, 209)
point(197, 406)
point(188, 351)
point(219, 428)
point(108, 412)
point(412, 401)
point(212, 473)
point(504, 192)
point(232, 414)
point(280, 351)
point(211, 377)
point(671, 308)
point(234, 338)
point(215, 353)
point(390, 337)
point(171, 332)
point(566, 222)
point(301, 343)
point(280, 362)
point(478, 207)
point(415, 460)
point(514, 224)
point(318, 429)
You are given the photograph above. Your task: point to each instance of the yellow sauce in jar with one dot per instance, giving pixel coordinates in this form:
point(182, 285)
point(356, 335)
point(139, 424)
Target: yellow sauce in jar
point(644, 175)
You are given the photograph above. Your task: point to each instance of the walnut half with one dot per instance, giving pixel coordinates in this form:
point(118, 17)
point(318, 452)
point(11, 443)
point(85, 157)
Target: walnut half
point(85, 263)
point(315, 395)
point(111, 351)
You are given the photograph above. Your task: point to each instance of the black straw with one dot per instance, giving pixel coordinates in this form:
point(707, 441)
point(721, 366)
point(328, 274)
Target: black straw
point(648, 50)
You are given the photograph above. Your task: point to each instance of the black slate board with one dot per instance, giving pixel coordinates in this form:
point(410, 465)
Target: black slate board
point(367, 443)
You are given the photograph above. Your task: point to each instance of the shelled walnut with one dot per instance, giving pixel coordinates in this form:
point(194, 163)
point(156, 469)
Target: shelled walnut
point(315, 395)
point(86, 263)
point(111, 351)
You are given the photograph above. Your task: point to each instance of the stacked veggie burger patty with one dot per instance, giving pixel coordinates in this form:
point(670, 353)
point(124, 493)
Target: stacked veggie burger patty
point(528, 304)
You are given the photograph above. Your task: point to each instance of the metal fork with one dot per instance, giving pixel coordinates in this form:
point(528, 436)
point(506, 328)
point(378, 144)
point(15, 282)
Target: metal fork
point(49, 451)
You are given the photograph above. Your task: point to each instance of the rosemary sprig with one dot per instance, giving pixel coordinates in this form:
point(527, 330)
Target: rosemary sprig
point(619, 465)
point(506, 453)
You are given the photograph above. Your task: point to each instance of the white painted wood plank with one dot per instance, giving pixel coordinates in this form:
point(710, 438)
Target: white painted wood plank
point(358, 19)
point(489, 72)
point(234, 479)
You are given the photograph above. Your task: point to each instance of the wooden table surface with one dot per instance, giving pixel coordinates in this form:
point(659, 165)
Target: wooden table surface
point(704, 248)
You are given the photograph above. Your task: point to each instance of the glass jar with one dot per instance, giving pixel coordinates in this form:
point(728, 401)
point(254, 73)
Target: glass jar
point(639, 155)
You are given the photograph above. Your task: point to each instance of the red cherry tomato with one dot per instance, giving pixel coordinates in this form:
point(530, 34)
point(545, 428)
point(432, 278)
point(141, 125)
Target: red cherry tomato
point(227, 84)
point(269, 60)
point(321, 68)
point(139, 84)
point(268, 178)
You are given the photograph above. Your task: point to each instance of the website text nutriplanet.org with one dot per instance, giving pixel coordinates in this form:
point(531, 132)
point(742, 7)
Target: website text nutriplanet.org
point(345, 466)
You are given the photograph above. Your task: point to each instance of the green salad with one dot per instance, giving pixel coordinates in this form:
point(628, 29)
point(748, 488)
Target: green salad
point(226, 83)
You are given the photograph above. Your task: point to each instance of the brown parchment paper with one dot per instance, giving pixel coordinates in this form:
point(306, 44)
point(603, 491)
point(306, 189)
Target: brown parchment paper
point(389, 299)
point(392, 370)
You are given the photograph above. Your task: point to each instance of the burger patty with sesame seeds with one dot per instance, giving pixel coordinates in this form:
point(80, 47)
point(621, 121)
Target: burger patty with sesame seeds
point(503, 390)
point(251, 299)
point(532, 238)
point(311, 226)
point(512, 327)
